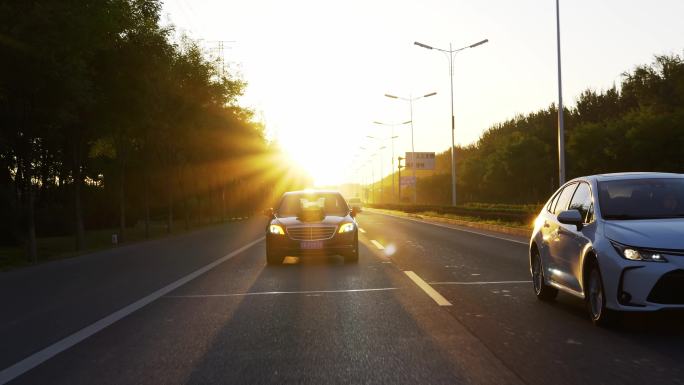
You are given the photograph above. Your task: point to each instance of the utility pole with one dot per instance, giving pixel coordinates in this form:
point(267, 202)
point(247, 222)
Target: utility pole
point(220, 53)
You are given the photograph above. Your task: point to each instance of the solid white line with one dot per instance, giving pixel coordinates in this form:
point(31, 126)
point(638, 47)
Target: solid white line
point(281, 292)
point(441, 301)
point(362, 230)
point(453, 228)
point(478, 283)
point(45, 354)
point(377, 244)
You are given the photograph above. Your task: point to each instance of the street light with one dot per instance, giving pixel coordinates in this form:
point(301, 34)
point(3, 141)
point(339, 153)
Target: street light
point(391, 138)
point(413, 150)
point(561, 126)
point(378, 151)
point(451, 52)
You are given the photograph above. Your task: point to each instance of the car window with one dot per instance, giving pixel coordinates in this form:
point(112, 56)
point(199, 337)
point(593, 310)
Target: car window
point(329, 203)
point(583, 202)
point(553, 202)
point(642, 198)
point(564, 198)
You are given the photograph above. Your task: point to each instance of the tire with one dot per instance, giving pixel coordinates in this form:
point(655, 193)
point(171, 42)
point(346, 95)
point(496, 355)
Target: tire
point(353, 256)
point(543, 291)
point(595, 297)
point(273, 257)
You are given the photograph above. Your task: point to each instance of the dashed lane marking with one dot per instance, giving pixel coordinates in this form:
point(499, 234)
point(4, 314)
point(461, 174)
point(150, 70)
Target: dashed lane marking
point(441, 301)
point(362, 230)
point(377, 244)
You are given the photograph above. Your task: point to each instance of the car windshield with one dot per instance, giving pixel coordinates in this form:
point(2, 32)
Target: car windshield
point(642, 198)
point(293, 205)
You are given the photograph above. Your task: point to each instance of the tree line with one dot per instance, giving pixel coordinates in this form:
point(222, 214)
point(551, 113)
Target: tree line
point(636, 126)
point(107, 119)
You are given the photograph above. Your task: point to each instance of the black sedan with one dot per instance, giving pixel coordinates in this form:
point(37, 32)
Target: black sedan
point(312, 222)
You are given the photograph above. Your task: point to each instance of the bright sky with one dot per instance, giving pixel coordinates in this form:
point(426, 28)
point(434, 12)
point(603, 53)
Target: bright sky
point(317, 70)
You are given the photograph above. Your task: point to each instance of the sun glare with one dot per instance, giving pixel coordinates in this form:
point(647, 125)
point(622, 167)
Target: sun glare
point(316, 158)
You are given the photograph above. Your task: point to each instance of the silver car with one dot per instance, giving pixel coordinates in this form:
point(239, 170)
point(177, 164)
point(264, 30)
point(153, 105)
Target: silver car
point(615, 240)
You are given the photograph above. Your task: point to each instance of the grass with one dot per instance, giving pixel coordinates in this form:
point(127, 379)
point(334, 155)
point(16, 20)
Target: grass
point(497, 222)
point(54, 248)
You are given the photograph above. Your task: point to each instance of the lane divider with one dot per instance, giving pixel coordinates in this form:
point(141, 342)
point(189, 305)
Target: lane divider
point(479, 283)
point(30, 362)
point(281, 292)
point(377, 244)
point(362, 230)
point(441, 301)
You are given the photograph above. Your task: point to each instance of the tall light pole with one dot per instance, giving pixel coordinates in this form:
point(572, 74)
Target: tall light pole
point(391, 138)
point(413, 149)
point(450, 53)
point(392, 125)
point(561, 126)
point(372, 167)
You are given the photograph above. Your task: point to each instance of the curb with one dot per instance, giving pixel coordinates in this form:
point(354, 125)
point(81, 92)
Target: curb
point(516, 231)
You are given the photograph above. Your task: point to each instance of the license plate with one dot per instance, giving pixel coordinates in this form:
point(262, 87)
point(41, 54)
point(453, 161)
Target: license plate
point(311, 245)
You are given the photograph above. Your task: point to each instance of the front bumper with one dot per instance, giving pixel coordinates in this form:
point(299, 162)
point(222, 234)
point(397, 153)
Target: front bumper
point(643, 286)
point(339, 244)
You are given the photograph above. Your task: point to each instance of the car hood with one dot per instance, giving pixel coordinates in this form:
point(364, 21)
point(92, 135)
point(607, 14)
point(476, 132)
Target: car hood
point(650, 233)
point(327, 220)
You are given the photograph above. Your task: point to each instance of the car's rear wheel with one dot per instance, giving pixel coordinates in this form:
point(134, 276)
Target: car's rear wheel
point(273, 257)
point(353, 256)
point(595, 297)
point(543, 291)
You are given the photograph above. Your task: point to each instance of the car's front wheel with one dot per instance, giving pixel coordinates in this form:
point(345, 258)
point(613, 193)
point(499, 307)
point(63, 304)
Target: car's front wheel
point(353, 256)
point(595, 297)
point(273, 257)
point(543, 291)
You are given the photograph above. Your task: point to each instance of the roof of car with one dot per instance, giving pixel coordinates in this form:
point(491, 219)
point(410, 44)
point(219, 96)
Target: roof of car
point(635, 175)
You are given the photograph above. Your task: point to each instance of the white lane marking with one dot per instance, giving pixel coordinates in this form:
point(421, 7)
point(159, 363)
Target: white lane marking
point(362, 230)
point(280, 292)
point(441, 301)
point(479, 283)
point(377, 244)
point(30, 362)
point(454, 228)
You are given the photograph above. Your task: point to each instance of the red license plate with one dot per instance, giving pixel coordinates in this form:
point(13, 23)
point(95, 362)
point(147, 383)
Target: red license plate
point(311, 245)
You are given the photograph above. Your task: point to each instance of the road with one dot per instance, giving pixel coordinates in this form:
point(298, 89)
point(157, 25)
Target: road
point(426, 303)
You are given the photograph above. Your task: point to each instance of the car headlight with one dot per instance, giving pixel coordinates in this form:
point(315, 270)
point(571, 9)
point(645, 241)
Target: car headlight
point(347, 227)
point(636, 254)
point(276, 229)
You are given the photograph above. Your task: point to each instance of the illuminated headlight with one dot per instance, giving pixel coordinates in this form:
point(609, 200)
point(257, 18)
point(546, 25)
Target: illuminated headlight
point(635, 254)
point(276, 229)
point(347, 227)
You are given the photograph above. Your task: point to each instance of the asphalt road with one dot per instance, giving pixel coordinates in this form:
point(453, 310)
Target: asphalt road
point(426, 303)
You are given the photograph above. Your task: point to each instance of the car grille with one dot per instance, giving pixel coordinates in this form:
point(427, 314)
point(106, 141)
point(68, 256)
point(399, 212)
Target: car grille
point(669, 289)
point(311, 233)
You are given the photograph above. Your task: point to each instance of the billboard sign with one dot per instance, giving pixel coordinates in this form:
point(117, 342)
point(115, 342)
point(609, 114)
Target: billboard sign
point(422, 160)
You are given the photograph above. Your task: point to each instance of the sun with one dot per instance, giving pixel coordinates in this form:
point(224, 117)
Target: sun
point(319, 158)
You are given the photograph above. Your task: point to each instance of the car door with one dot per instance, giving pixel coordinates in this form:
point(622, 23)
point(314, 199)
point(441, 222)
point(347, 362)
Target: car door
point(557, 268)
point(574, 241)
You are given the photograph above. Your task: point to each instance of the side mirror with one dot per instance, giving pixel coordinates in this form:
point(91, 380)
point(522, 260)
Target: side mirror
point(354, 212)
point(571, 217)
point(268, 212)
